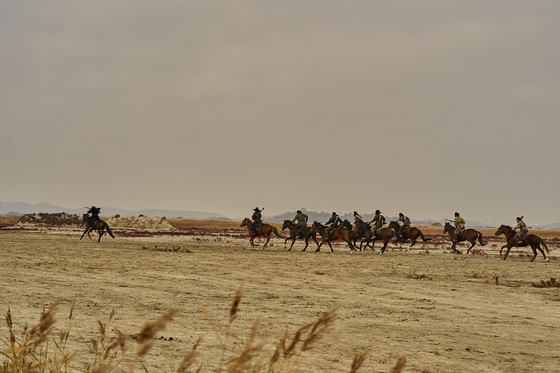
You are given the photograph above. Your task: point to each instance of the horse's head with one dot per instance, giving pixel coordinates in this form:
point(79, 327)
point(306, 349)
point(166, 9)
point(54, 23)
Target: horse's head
point(346, 224)
point(85, 217)
point(286, 224)
point(503, 229)
point(447, 228)
point(393, 225)
point(246, 222)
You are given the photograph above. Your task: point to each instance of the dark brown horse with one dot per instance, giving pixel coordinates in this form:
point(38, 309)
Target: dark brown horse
point(99, 225)
point(265, 230)
point(469, 234)
point(343, 233)
point(411, 233)
point(385, 235)
point(306, 232)
point(531, 240)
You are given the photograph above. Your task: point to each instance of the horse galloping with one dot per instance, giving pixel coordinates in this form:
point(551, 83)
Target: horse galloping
point(99, 225)
point(307, 233)
point(531, 240)
point(265, 230)
point(469, 234)
point(343, 233)
point(411, 233)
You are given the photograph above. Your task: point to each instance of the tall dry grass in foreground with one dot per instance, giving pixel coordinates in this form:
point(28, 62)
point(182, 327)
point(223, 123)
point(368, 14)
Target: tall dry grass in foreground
point(42, 348)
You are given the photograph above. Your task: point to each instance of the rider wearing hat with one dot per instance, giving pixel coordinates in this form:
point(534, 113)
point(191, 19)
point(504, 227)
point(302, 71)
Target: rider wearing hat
point(94, 211)
point(522, 229)
point(301, 219)
point(257, 220)
point(378, 221)
point(459, 225)
point(405, 223)
point(334, 222)
point(357, 220)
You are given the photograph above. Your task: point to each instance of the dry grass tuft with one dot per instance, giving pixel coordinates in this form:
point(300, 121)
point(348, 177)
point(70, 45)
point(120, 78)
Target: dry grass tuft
point(358, 361)
point(553, 283)
point(418, 277)
point(43, 349)
point(398, 368)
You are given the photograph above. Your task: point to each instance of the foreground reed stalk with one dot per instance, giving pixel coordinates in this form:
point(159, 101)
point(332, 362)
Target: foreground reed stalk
point(42, 348)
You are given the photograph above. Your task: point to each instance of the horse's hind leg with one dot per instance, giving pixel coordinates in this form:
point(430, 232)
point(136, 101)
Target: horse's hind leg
point(266, 243)
point(473, 243)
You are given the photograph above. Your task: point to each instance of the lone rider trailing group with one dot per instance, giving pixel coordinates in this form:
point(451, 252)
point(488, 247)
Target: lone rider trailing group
point(94, 211)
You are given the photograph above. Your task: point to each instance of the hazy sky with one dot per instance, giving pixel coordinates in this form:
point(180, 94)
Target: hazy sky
point(421, 107)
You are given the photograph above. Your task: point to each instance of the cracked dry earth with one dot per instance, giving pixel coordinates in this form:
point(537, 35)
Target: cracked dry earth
point(444, 312)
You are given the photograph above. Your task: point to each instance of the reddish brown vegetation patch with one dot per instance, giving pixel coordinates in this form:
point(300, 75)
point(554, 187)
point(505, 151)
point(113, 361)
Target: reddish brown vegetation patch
point(552, 283)
point(169, 249)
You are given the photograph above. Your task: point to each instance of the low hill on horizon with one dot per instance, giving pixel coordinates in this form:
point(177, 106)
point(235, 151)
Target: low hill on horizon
point(22, 208)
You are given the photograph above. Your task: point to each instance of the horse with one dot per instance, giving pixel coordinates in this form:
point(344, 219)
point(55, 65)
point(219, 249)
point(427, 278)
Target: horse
point(411, 233)
point(306, 232)
point(531, 240)
point(385, 235)
point(99, 225)
point(466, 235)
point(265, 230)
point(344, 232)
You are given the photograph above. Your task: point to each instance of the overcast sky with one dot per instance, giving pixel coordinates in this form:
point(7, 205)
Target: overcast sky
point(421, 107)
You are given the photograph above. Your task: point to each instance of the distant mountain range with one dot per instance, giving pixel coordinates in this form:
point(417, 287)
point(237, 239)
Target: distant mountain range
point(22, 208)
point(324, 216)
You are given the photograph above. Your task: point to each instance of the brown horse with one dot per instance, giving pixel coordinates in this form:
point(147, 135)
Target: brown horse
point(411, 233)
point(99, 225)
point(531, 240)
point(306, 232)
point(343, 233)
point(385, 235)
point(466, 235)
point(265, 230)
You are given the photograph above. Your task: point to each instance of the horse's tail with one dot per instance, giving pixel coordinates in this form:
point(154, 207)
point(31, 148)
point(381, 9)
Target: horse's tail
point(422, 236)
point(277, 232)
point(479, 235)
point(109, 230)
point(544, 245)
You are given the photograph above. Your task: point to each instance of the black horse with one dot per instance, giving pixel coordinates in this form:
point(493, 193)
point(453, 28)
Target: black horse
point(306, 234)
point(98, 225)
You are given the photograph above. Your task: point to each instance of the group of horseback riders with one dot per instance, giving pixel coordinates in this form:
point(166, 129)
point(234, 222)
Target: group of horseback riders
point(376, 223)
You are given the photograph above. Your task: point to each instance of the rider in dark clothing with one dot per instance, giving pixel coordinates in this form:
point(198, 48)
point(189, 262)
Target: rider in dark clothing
point(94, 211)
point(257, 220)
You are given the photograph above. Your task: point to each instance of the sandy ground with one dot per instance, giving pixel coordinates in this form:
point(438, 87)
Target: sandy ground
point(458, 318)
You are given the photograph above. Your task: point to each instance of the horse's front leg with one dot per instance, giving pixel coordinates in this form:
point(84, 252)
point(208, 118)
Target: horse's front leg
point(306, 243)
point(385, 243)
point(454, 249)
point(503, 247)
point(293, 242)
point(535, 253)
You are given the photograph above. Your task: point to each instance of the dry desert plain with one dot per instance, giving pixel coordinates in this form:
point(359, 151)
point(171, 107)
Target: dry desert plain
point(444, 312)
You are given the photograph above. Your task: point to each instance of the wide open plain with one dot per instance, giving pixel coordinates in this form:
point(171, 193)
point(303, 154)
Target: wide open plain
point(445, 312)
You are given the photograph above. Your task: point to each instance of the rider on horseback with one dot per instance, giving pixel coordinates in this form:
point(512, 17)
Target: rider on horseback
point(257, 220)
point(378, 221)
point(357, 220)
point(94, 211)
point(334, 222)
point(405, 223)
point(459, 225)
point(522, 230)
point(301, 219)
